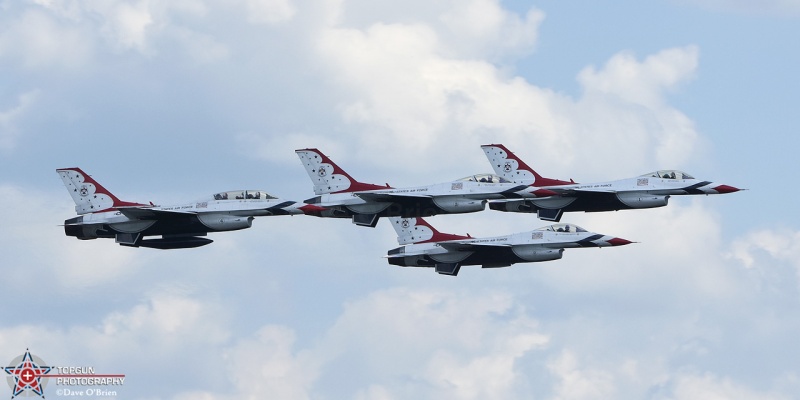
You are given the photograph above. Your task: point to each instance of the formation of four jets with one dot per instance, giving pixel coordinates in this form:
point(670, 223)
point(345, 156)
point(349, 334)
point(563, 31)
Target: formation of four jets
point(514, 187)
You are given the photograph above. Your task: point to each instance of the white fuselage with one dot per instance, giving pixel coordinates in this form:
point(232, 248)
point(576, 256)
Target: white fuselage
point(447, 197)
point(631, 193)
point(195, 218)
point(543, 244)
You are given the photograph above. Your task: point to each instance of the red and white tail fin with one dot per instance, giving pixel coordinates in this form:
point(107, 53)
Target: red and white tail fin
point(417, 230)
point(329, 177)
point(89, 196)
point(510, 167)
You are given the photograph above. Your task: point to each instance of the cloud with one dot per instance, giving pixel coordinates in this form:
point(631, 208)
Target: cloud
point(687, 235)
point(167, 319)
point(9, 119)
point(125, 25)
point(484, 29)
point(777, 8)
point(32, 221)
point(641, 82)
point(200, 47)
point(440, 343)
point(574, 382)
point(773, 256)
point(73, 35)
point(486, 341)
point(405, 84)
point(269, 11)
point(280, 148)
point(306, 308)
point(268, 365)
point(152, 339)
point(37, 40)
point(708, 386)
point(401, 87)
point(781, 244)
point(474, 29)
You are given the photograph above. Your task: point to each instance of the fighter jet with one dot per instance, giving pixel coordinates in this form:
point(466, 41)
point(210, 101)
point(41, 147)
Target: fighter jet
point(103, 215)
point(424, 246)
point(646, 191)
point(344, 197)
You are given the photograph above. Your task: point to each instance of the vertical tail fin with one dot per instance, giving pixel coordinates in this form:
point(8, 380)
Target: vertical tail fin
point(329, 177)
point(510, 167)
point(89, 196)
point(417, 230)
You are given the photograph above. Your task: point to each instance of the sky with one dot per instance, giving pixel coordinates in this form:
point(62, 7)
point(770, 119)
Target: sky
point(172, 101)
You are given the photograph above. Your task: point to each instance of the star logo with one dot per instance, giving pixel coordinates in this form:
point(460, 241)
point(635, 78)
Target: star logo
point(84, 190)
point(405, 223)
point(507, 167)
point(26, 373)
point(321, 171)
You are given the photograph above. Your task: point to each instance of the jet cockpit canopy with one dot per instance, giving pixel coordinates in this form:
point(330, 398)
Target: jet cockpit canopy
point(669, 174)
point(562, 228)
point(243, 195)
point(485, 178)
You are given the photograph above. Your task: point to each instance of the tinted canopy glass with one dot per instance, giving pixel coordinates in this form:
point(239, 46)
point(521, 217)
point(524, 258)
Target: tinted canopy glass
point(485, 178)
point(243, 195)
point(562, 228)
point(669, 174)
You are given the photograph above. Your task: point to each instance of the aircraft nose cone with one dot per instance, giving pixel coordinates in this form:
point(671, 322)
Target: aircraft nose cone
point(310, 209)
point(721, 189)
point(619, 241)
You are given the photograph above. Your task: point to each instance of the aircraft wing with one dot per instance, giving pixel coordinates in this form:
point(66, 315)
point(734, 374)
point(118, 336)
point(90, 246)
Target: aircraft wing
point(472, 246)
point(581, 191)
point(391, 197)
point(592, 190)
point(151, 213)
point(413, 197)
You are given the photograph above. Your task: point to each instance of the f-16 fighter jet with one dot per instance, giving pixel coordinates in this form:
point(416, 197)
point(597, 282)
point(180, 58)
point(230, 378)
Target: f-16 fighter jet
point(344, 197)
point(103, 215)
point(645, 191)
point(424, 246)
